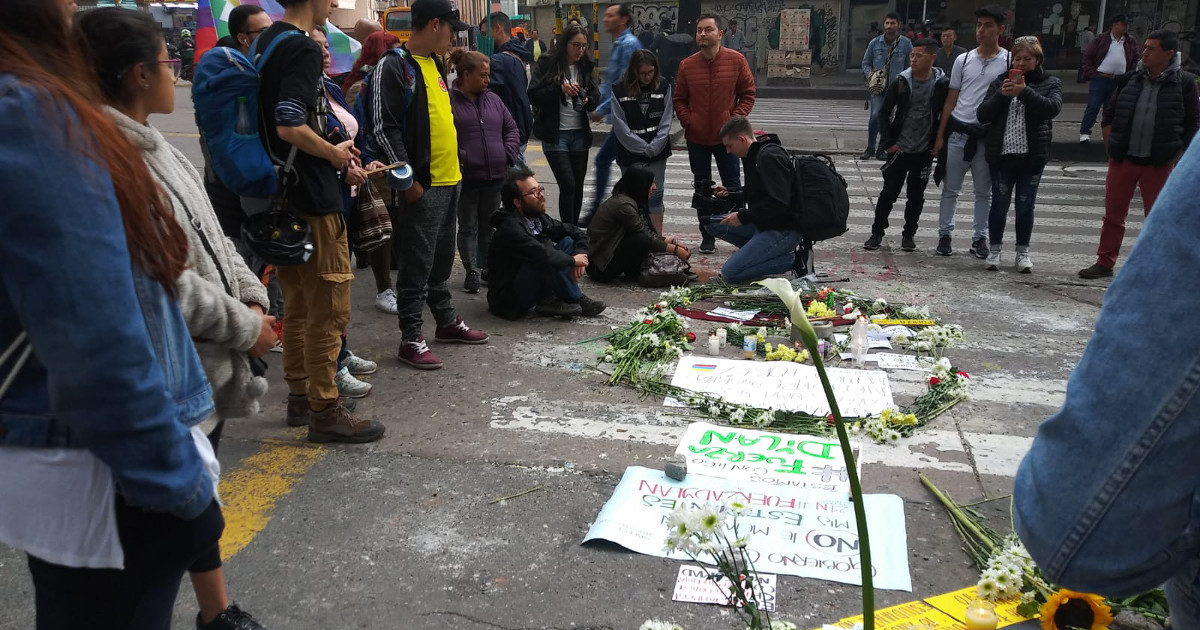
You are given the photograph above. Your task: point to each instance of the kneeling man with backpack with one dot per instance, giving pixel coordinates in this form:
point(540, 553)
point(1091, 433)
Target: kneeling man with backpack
point(790, 202)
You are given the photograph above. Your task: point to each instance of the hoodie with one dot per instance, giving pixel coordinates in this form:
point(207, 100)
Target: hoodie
point(511, 84)
point(1171, 104)
point(769, 186)
point(897, 104)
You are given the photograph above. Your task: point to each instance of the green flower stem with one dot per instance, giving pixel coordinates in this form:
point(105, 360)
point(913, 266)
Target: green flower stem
point(860, 511)
point(958, 515)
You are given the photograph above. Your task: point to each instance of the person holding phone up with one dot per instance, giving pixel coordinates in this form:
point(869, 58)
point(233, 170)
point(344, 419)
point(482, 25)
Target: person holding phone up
point(1019, 110)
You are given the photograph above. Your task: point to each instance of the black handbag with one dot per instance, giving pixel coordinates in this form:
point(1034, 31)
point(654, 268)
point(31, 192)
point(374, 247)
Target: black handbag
point(663, 269)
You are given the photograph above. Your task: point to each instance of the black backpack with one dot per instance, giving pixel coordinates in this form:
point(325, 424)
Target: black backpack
point(824, 202)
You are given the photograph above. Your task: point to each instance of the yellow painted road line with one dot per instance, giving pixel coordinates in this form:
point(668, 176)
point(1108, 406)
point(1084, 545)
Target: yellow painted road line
point(250, 492)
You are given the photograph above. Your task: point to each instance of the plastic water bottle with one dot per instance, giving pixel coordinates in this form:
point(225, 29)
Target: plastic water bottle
point(858, 341)
point(244, 127)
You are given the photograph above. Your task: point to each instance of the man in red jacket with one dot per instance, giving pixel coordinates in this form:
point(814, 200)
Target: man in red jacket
point(1109, 56)
point(713, 86)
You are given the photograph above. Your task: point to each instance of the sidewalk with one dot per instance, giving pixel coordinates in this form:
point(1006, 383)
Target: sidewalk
point(849, 84)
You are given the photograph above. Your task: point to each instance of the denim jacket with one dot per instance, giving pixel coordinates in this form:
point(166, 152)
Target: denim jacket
point(113, 368)
point(876, 56)
point(1107, 498)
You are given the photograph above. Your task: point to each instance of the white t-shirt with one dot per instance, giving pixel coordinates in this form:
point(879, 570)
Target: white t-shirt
point(971, 76)
point(1114, 61)
point(568, 118)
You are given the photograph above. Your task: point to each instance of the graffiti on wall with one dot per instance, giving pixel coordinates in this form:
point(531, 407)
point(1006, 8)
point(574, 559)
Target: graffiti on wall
point(759, 19)
point(648, 16)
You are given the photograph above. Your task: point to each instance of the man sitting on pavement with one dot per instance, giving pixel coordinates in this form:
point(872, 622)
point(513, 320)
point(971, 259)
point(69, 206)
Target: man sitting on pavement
point(766, 230)
point(535, 261)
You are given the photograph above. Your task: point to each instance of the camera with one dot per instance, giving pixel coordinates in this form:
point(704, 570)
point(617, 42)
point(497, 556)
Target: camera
point(708, 204)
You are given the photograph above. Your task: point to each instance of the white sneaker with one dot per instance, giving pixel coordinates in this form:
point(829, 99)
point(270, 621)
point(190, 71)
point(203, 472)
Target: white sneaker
point(993, 259)
point(1085, 138)
point(1024, 264)
point(386, 302)
point(359, 366)
point(349, 386)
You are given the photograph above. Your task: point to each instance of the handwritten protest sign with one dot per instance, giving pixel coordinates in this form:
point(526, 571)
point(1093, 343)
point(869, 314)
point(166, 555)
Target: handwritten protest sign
point(905, 617)
point(791, 531)
point(784, 385)
point(778, 459)
point(892, 361)
point(874, 342)
point(729, 313)
point(905, 322)
point(955, 605)
point(694, 585)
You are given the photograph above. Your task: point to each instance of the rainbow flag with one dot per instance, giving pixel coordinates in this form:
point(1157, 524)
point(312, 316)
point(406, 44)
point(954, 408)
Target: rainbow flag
point(212, 23)
point(704, 367)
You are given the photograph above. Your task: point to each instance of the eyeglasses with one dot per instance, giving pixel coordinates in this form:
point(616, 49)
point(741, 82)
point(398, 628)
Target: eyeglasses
point(176, 66)
point(539, 191)
point(579, 46)
point(256, 32)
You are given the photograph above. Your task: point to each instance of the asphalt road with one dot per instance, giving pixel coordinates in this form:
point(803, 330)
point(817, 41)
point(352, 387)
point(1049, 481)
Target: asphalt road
point(403, 533)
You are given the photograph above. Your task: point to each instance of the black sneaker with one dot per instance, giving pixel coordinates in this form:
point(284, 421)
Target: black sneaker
point(553, 307)
point(708, 245)
point(868, 154)
point(1095, 271)
point(471, 284)
point(873, 242)
point(483, 275)
point(881, 155)
point(803, 261)
point(232, 618)
point(908, 244)
point(590, 307)
point(943, 248)
point(979, 248)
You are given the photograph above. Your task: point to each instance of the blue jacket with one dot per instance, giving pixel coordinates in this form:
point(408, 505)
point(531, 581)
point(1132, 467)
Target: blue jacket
point(511, 84)
point(1107, 498)
point(113, 370)
point(360, 141)
point(876, 56)
point(618, 61)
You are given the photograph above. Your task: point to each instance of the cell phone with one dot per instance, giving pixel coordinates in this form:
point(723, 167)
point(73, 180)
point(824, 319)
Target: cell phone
point(1013, 74)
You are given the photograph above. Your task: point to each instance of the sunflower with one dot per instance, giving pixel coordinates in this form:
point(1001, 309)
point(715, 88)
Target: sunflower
point(1069, 609)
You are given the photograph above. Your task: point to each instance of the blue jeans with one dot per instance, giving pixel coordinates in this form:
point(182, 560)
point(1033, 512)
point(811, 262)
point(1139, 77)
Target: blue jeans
point(956, 173)
point(1106, 498)
point(873, 123)
point(521, 154)
point(534, 282)
point(1100, 90)
point(1023, 174)
point(700, 158)
point(760, 253)
point(604, 159)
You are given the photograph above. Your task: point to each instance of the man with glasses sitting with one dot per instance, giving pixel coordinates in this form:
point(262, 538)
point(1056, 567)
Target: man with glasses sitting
point(535, 261)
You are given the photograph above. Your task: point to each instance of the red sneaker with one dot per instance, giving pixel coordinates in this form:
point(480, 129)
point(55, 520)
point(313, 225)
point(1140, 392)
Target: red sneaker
point(416, 353)
point(460, 333)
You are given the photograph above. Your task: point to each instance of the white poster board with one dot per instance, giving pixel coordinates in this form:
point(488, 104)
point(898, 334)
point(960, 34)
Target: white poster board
point(808, 533)
point(777, 459)
point(694, 585)
point(784, 385)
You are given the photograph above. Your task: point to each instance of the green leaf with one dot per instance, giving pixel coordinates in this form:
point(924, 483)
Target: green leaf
point(1028, 609)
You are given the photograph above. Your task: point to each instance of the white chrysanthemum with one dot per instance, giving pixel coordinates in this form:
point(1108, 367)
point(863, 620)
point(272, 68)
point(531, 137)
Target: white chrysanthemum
point(738, 508)
point(986, 588)
point(709, 546)
point(738, 415)
point(707, 520)
point(741, 542)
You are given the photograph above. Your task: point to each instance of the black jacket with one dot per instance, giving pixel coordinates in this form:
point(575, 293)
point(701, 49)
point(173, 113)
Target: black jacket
point(1176, 118)
point(897, 99)
point(396, 112)
point(769, 186)
point(510, 84)
point(545, 95)
point(1042, 98)
point(514, 245)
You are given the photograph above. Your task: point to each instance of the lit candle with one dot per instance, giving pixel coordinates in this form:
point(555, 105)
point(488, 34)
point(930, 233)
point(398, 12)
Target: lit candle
point(981, 615)
point(721, 335)
point(714, 344)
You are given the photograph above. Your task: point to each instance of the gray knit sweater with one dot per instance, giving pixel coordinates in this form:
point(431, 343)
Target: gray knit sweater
point(215, 290)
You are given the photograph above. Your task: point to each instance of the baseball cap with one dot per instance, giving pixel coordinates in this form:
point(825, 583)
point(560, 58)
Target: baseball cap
point(425, 10)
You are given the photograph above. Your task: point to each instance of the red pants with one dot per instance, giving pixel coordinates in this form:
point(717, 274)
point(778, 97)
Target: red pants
point(1118, 192)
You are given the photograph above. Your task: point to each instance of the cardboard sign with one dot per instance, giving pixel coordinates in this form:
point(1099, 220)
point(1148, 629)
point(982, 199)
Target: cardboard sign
point(955, 605)
point(905, 322)
point(778, 459)
point(694, 585)
point(784, 385)
point(906, 616)
point(791, 532)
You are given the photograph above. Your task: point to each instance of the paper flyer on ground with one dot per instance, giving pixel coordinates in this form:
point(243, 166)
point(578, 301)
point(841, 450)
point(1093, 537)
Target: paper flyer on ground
point(778, 459)
point(694, 585)
point(784, 385)
point(808, 533)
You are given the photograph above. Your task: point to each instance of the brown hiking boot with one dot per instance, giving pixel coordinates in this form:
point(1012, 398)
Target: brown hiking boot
point(335, 424)
point(297, 410)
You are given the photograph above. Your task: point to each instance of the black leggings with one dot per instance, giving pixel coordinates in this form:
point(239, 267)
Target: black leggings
point(627, 259)
point(570, 172)
point(158, 549)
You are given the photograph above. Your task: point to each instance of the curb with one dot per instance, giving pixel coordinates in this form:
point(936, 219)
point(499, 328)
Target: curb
point(853, 93)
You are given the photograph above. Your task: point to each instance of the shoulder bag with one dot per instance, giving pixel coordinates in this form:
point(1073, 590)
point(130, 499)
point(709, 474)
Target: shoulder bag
point(663, 269)
point(372, 225)
point(877, 81)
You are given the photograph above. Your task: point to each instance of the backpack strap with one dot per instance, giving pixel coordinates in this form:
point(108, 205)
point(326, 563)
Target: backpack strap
point(260, 61)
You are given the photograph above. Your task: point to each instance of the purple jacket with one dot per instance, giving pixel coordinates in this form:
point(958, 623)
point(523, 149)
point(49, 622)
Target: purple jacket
point(488, 139)
point(1098, 50)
